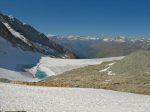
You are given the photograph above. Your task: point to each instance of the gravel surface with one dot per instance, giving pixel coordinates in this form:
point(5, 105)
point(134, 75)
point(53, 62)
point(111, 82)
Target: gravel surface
point(43, 99)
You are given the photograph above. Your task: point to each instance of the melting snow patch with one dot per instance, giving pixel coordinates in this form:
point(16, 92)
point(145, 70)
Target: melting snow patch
point(107, 69)
point(110, 73)
point(108, 80)
point(104, 70)
point(110, 64)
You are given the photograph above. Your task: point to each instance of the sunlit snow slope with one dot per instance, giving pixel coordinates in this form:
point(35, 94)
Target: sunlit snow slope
point(44, 99)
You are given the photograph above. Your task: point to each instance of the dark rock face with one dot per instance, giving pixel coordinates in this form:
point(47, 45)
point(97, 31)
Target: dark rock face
point(38, 41)
point(4, 32)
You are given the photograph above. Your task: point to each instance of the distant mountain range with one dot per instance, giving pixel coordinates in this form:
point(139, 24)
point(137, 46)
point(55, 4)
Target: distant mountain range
point(94, 47)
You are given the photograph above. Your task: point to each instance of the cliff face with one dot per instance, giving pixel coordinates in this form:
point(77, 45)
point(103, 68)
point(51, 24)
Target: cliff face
point(29, 39)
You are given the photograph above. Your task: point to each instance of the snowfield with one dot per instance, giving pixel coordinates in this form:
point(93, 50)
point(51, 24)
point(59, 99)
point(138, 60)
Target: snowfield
point(55, 66)
point(51, 66)
point(43, 99)
point(17, 76)
point(14, 58)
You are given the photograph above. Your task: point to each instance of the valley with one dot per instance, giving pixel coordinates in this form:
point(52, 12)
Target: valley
point(100, 47)
point(71, 73)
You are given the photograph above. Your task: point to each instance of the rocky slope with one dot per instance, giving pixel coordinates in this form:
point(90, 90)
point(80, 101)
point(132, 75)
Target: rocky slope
point(21, 48)
point(137, 63)
point(29, 39)
point(131, 74)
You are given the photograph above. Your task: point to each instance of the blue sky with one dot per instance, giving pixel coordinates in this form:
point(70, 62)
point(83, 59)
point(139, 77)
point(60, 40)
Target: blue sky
point(83, 17)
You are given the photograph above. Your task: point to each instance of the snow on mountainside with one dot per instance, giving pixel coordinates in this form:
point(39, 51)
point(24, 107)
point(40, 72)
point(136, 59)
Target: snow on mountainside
point(22, 46)
point(14, 58)
point(17, 76)
point(25, 53)
point(30, 39)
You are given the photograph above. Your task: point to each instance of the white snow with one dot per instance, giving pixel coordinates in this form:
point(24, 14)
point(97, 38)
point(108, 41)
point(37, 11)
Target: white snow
point(55, 66)
point(11, 17)
point(106, 39)
point(43, 99)
point(110, 73)
point(110, 64)
point(24, 23)
point(16, 34)
point(106, 69)
point(17, 76)
point(51, 35)
point(13, 58)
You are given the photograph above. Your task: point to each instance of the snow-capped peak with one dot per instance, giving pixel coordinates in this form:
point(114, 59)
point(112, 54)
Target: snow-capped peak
point(11, 17)
point(51, 35)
